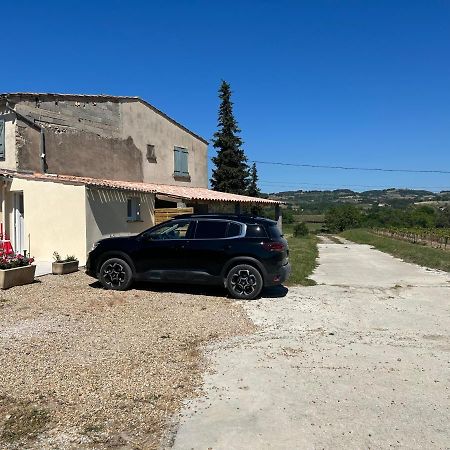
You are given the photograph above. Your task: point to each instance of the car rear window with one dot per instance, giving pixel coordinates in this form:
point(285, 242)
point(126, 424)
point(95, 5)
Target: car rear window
point(256, 231)
point(210, 229)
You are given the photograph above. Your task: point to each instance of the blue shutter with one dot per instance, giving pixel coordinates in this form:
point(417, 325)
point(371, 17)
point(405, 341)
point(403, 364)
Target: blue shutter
point(177, 162)
point(2, 139)
point(184, 163)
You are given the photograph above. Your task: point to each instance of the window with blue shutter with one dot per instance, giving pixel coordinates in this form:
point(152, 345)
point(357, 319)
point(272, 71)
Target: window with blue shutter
point(2, 139)
point(181, 168)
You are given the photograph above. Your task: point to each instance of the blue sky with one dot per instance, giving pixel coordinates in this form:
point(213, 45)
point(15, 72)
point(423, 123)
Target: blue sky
point(355, 83)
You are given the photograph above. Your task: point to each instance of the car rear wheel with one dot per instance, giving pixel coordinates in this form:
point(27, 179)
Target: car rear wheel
point(244, 282)
point(116, 274)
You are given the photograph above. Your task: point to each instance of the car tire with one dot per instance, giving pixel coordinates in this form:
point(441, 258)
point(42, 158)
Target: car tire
point(244, 282)
point(116, 274)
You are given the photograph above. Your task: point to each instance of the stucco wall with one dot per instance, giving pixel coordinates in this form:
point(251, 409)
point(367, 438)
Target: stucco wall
point(106, 213)
point(146, 127)
point(54, 218)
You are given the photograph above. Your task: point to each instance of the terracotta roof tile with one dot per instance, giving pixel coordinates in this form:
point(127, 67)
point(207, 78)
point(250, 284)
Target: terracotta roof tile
point(180, 192)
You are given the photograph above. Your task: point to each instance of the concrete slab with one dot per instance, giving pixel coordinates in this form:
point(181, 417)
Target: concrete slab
point(360, 361)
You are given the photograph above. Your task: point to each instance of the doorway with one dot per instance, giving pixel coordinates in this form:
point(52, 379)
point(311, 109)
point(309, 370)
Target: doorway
point(19, 228)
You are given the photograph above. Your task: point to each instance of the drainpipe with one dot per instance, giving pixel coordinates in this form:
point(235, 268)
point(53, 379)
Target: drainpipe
point(32, 123)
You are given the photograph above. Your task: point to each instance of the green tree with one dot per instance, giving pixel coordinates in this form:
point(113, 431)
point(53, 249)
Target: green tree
point(231, 172)
point(342, 217)
point(253, 190)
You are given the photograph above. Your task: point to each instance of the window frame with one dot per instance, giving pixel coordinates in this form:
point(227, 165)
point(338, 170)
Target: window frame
point(135, 208)
point(181, 156)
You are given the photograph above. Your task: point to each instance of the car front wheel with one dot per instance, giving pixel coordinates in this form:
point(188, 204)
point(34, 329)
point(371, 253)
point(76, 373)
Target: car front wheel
point(115, 273)
point(244, 282)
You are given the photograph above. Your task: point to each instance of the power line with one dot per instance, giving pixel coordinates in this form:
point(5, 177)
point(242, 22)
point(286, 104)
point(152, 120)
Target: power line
point(377, 169)
point(296, 184)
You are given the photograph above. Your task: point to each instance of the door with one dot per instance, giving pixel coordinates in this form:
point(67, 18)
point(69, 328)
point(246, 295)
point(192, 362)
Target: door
point(161, 253)
point(19, 228)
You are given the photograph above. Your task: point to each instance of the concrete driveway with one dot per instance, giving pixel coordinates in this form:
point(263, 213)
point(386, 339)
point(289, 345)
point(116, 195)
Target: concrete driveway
point(362, 360)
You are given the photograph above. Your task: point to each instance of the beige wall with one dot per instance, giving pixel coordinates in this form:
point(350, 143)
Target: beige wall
point(106, 213)
point(10, 140)
point(54, 218)
point(145, 126)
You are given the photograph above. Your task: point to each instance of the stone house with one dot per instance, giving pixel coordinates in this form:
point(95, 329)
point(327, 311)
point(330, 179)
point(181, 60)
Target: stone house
point(74, 168)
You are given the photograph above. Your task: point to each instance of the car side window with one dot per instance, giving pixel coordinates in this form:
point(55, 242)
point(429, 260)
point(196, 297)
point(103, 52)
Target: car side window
point(211, 229)
point(234, 229)
point(173, 230)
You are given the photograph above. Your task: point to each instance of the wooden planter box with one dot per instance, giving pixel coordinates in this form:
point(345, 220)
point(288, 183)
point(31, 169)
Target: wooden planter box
point(61, 268)
point(17, 276)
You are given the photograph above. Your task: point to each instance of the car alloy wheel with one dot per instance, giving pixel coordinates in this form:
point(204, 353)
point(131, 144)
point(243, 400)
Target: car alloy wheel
point(115, 274)
point(244, 282)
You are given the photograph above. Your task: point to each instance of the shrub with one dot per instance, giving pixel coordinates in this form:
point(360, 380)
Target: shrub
point(300, 229)
point(58, 259)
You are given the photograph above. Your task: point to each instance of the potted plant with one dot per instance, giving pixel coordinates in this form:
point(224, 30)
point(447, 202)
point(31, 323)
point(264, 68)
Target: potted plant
point(16, 270)
point(62, 266)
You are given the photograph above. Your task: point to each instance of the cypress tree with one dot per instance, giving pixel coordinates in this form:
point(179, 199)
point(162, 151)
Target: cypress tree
point(253, 189)
point(231, 171)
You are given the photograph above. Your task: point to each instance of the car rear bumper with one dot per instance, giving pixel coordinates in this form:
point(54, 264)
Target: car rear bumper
point(279, 277)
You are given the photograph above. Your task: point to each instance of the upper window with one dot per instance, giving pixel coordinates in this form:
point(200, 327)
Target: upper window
point(151, 155)
point(134, 209)
point(211, 229)
point(173, 230)
point(181, 162)
point(2, 139)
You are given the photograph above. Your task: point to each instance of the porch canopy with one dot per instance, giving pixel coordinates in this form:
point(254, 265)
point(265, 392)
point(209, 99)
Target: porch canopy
point(180, 193)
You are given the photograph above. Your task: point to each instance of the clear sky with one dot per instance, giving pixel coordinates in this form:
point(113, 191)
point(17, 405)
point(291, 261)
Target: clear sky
point(355, 83)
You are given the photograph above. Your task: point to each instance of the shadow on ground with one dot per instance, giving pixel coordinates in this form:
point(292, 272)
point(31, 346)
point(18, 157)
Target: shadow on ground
point(211, 291)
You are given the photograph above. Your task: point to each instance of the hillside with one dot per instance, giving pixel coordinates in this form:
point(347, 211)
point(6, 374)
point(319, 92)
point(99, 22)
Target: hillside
point(320, 201)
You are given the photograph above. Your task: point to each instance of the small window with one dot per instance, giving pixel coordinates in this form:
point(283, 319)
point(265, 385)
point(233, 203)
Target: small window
point(211, 229)
point(181, 162)
point(256, 231)
point(134, 209)
point(234, 229)
point(2, 139)
point(151, 155)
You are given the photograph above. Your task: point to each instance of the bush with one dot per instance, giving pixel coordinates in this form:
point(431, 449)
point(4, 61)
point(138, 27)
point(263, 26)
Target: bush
point(300, 229)
point(343, 217)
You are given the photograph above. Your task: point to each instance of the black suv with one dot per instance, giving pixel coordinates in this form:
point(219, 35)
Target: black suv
point(243, 253)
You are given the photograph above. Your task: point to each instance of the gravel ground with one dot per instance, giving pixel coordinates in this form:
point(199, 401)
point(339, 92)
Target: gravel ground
point(84, 368)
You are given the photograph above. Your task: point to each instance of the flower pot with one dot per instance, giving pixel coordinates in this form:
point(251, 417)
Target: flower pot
point(61, 268)
point(17, 276)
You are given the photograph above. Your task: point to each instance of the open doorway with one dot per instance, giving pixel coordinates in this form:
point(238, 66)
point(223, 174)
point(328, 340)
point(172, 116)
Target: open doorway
point(19, 226)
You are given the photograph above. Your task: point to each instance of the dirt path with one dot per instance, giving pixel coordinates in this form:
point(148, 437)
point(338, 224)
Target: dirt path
point(362, 360)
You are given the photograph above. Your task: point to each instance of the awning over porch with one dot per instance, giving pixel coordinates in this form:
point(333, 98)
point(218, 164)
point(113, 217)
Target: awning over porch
point(185, 193)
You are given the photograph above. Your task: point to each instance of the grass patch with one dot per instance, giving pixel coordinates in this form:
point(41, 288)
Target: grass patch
point(415, 253)
point(303, 254)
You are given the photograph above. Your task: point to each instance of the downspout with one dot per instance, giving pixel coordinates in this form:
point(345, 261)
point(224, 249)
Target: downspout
point(4, 207)
point(42, 152)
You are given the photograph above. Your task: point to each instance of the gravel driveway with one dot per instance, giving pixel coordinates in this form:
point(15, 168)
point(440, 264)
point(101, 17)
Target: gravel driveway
point(84, 368)
point(362, 360)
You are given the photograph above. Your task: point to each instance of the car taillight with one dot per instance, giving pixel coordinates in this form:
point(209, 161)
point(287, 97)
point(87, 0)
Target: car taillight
point(274, 246)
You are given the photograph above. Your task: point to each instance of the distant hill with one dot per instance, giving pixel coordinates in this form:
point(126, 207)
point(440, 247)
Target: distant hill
point(320, 201)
